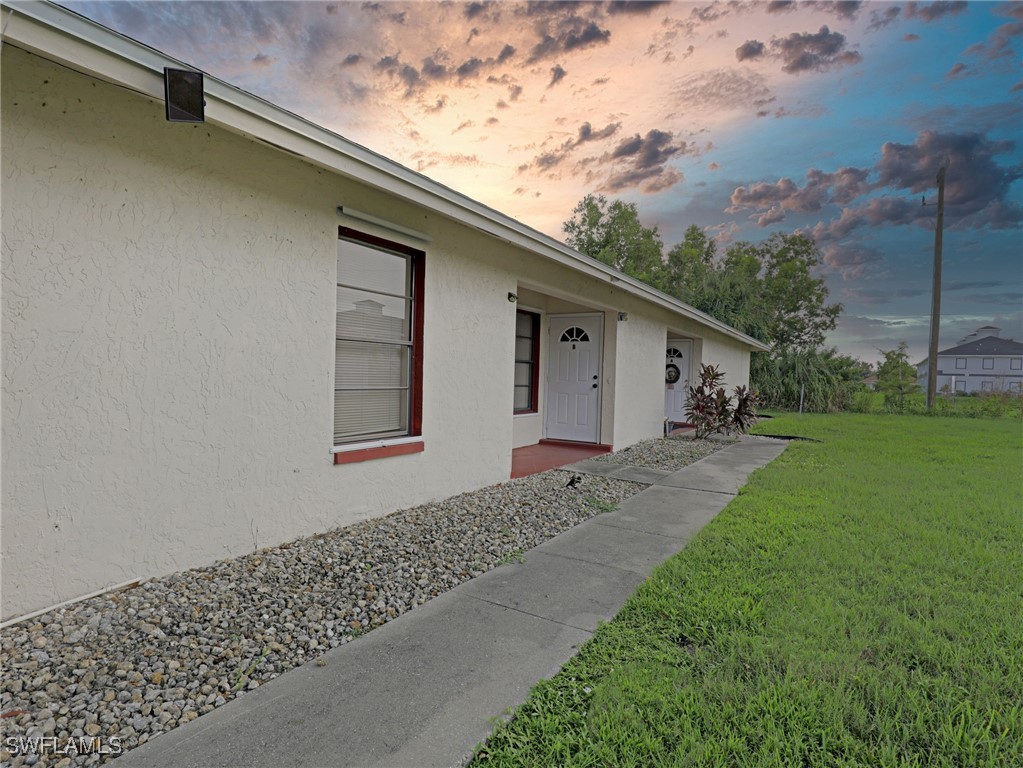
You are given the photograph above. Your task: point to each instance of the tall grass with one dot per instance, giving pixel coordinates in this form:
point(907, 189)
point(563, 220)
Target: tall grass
point(994, 405)
point(860, 603)
point(819, 380)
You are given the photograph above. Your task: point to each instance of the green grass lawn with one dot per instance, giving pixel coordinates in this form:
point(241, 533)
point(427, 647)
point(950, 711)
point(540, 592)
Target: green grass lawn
point(859, 603)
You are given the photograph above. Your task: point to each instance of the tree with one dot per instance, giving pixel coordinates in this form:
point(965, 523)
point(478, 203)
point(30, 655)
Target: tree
point(896, 377)
point(799, 317)
point(688, 266)
point(769, 291)
point(733, 292)
point(611, 232)
point(765, 290)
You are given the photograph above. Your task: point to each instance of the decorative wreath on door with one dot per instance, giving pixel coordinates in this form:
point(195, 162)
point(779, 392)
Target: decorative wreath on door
point(672, 373)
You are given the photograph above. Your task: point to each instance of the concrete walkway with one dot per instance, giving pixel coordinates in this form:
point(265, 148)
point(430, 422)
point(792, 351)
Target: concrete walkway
point(423, 690)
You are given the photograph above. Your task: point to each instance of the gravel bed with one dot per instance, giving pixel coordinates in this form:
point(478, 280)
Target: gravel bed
point(115, 671)
point(668, 453)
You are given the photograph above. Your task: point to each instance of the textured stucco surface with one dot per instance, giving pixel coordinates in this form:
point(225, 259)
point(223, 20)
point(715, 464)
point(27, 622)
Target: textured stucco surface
point(168, 344)
point(732, 361)
point(639, 391)
point(168, 301)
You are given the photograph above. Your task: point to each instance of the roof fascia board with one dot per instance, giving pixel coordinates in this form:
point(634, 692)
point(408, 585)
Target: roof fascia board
point(69, 39)
point(62, 35)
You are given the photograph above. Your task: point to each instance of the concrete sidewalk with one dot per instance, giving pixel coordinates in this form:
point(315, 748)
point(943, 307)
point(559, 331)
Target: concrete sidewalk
point(422, 690)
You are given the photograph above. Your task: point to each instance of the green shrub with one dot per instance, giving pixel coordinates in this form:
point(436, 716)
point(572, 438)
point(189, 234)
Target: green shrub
point(820, 379)
point(710, 408)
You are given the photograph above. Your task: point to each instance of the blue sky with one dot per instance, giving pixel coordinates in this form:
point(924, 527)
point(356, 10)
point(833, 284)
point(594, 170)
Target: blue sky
point(745, 118)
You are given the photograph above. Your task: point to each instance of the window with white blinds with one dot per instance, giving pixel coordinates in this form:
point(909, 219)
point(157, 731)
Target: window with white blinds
point(377, 338)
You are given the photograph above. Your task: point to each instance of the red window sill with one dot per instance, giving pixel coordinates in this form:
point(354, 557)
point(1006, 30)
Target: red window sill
point(379, 452)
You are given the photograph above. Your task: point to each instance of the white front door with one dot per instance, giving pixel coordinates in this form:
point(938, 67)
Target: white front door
point(573, 377)
point(676, 379)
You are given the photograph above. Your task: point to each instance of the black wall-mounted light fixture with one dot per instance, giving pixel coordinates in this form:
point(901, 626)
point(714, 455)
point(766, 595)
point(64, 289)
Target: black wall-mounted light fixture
point(623, 316)
point(183, 93)
point(513, 297)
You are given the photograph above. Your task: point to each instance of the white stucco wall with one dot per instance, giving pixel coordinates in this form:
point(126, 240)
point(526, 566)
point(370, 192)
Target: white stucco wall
point(168, 314)
point(710, 346)
point(168, 344)
point(731, 359)
point(639, 387)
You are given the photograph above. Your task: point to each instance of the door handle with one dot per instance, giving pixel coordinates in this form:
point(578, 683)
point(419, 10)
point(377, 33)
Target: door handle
point(594, 377)
point(594, 386)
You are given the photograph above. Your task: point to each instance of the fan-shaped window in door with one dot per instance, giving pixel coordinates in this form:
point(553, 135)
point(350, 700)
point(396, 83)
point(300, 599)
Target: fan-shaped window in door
point(575, 334)
point(672, 352)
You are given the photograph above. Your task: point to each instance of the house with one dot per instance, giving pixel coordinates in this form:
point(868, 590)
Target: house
point(225, 335)
point(981, 362)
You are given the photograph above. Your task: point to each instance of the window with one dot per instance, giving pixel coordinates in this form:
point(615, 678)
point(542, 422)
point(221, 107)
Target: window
point(989, 363)
point(960, 385)
point(986, 386)
point(379, 339)
point(960, 363)
point(1016, 387)
point(527, 357)
point(574, 334)
point(1016, 364)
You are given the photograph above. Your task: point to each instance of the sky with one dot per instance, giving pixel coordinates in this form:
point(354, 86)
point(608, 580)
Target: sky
point(744, 118)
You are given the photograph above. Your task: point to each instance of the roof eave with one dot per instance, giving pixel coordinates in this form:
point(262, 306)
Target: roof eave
point(84, 45)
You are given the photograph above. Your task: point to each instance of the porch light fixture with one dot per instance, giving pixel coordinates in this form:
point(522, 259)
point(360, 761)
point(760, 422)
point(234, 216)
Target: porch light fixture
point(183, 94)
point(513, 297)
point(623, 316)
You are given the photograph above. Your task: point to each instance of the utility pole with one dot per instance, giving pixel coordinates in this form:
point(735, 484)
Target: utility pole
point(932, 355)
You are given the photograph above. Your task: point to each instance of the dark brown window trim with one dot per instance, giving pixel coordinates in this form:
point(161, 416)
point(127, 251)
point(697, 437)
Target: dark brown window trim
point(418, 258)
point(378, 242)
point(534, 400)
point(378, 452)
